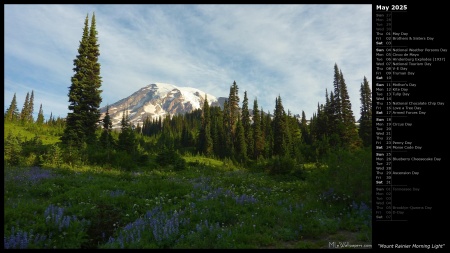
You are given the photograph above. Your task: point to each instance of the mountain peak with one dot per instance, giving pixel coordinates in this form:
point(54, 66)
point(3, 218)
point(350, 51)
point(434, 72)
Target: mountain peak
point(155, 100)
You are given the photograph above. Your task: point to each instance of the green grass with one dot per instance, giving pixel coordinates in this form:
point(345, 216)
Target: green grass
point(204, 206)
point(209, 204)
point(47, 134)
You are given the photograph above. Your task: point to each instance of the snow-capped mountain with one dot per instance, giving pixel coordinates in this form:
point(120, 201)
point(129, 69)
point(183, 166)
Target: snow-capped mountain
point(158, 99)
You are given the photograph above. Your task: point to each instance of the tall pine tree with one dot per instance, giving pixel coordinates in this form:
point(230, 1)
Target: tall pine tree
point(343, 121)
point(240, 145)
point(92, 97)
point(350, 135)
point(305, 129)
point(268, 133)
point(258, 140)
point(30, 109)
point(205, 140)
point(127, 140)
point(50, 120)
point(40, 117)
point(12, 113)
point(247, 124)
point(25, 110)
point(233, 103)
point(217, 132)
point(279, 129)
point(227, 138)
point(365, 122)
point(106, 139)
point(337, 93)
point(84, 93)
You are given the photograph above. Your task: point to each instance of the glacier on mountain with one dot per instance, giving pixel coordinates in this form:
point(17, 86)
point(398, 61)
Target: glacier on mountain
point(155, 100)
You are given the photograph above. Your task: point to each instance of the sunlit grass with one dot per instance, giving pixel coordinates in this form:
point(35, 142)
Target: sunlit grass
point(18, 130)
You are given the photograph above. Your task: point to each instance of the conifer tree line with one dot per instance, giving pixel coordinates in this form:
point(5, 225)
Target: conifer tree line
point(233, 131)
point(333, 125)
point(25, 116)
point(237, 133)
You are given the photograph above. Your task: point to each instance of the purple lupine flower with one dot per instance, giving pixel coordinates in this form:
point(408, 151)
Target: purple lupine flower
point(162, 226)
point(198, 227)
point(117, 193)
point(24, 241)
point(17, 240)
point(122, 246)
point(242, 199)
point(132, 237)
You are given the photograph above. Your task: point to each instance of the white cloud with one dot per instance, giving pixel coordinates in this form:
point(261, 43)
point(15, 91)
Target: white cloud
point(269, 50)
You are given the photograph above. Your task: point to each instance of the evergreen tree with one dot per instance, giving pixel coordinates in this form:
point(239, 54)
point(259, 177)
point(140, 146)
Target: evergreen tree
point(217, 131)
point(25, 110)
point(186, 136)
point(268, 134)
point(233, 103)
point(329, 121)
point(50, 120)
point(40, 117)
point(337, 93)
point(228, 141)
point(332, 114)
point(92, 94)
point(305, 129)
point(12, 149)
point(166, 139)
point(74, 134)
point(106, 139)
point(247, 125)
point(127, 141)
point(30, 109)
point(12, 113)
point(241, 147)
point(138, 129)
point(312, 128)
point(258, 140)
point(279, 129)
point(294, 135)
point(84, 93)
point(263, 131)
point(59, 122)
point(320, 128)
point(350, 135)
point(205, 140)
point(365, 122)
point(319, 131)
point(346, 106)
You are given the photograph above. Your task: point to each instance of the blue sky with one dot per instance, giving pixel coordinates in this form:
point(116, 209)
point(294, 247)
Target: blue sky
point(269, 50)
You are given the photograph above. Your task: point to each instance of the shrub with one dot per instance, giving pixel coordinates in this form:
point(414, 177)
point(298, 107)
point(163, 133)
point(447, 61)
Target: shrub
point(348, 173)
point(171, 157)
point(54, 156)
point(281, 165)
point(12, 149)
point(123, 160)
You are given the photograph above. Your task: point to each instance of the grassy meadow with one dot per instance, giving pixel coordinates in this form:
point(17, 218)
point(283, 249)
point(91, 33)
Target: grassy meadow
point(210, 204)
